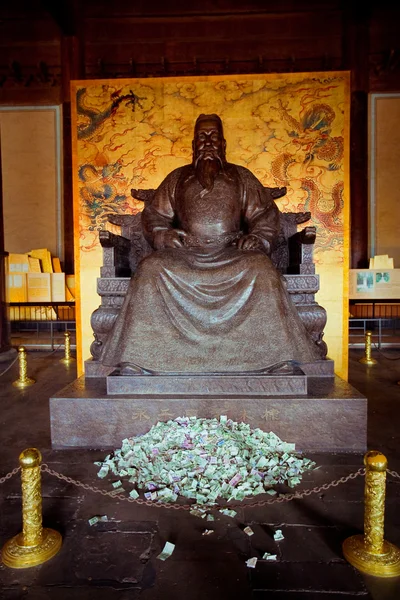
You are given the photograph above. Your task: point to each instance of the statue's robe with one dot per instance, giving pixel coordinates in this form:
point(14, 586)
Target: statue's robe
point(208, 306)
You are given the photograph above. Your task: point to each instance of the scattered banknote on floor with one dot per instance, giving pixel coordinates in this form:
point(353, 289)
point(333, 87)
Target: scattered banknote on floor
point(205, 460)
point(278, 535)
point(166, 551)
point(96, 519)
point(251, 562)
point(228, 512)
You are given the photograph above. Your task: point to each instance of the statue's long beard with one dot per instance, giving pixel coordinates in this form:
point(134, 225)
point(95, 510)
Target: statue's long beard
point(207, 170)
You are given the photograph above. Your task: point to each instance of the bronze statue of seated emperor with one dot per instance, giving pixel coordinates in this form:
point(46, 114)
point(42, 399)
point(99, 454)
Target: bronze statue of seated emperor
point(209, 294)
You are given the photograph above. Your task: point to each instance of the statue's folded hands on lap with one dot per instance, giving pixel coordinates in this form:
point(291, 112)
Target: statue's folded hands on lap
point(168, 238)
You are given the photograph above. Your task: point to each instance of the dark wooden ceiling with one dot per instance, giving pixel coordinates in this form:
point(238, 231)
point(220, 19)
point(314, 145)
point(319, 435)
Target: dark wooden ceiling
point(184, 37)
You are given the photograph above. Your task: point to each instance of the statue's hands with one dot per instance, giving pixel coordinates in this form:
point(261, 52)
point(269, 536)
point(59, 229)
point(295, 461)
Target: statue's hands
point(168, 238)
point(250, 242)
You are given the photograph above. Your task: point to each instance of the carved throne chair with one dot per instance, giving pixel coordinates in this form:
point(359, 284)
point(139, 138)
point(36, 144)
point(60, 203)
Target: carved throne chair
point(292, 256)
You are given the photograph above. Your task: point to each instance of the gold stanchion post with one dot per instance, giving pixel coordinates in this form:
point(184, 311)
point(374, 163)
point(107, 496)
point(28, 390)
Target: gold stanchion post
point(371, 553)
point(35, 545)
point(67, 358)
point(367, 358)
point(23, 380)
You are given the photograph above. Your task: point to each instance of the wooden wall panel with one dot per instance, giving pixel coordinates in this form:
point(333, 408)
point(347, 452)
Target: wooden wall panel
point(175, 51)
point(48, 53)
point(25, 31)
point(126, 8)
point(237, 28)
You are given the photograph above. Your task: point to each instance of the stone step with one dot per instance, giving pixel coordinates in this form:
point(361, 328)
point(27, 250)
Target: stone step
point(221, 385)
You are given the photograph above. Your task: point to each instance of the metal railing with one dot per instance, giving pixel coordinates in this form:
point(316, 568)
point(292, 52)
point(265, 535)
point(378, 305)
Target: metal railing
point(381, 327)
point(40, 318)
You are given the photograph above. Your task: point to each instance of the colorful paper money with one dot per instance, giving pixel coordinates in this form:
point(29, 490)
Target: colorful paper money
point(251, 562)
point(166, 551)
point(268, 556)
point(205, 460)
point(278, 535)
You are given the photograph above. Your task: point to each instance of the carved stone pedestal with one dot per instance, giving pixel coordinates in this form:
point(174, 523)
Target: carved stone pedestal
point(329, 418)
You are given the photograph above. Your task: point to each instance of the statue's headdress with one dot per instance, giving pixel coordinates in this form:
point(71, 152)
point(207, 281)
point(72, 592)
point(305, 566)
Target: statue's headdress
point(212, 117)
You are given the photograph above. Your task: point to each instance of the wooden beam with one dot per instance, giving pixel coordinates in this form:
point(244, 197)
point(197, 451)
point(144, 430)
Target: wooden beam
point(64, 13)
point(72, 61)
point(4, 330)
point(355, 54)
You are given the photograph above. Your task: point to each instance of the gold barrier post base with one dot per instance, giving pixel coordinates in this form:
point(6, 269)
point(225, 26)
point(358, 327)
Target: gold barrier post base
point(17, 556)
point(368, 361)
point(67, 361)
point(23, 383)
point(386, 564)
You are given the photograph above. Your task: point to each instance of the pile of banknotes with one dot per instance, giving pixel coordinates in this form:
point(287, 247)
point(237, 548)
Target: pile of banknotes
point(206, 460)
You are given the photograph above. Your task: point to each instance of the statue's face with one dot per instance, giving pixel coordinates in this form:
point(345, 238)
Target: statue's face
point(208, 141)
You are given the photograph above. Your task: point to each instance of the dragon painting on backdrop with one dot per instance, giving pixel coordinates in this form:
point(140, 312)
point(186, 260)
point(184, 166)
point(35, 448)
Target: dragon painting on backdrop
point(288, 132)
point(311, 137)
point(103, 189)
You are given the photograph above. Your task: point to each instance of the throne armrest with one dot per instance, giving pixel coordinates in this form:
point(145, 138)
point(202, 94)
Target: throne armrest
point(145, 196)
point(301, 246)
point(307, 235)
point(115, 255)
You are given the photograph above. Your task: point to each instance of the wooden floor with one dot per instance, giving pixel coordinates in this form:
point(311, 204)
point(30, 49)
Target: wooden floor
point(117, 559)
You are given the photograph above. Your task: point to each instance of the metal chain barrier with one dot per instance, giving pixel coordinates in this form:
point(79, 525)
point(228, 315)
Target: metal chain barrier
point(33, 358)
point(9, 366)
point(49, 353)
point(286, 498)
point(10, 474)
point(384, 355)
point(393, 473)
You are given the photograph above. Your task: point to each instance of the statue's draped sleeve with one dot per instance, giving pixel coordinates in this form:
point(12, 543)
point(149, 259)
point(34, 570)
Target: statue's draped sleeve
point(159, 214)
point(260, 213)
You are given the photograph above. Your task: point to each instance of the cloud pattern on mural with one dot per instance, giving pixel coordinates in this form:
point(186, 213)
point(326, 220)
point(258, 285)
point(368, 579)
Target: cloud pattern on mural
point(288, 130)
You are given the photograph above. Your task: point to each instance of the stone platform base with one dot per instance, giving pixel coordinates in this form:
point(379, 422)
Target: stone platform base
point(331, 419)
point(210, 385)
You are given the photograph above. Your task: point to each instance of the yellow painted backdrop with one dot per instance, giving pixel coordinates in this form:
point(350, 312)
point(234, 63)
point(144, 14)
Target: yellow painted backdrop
point(288, 129)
